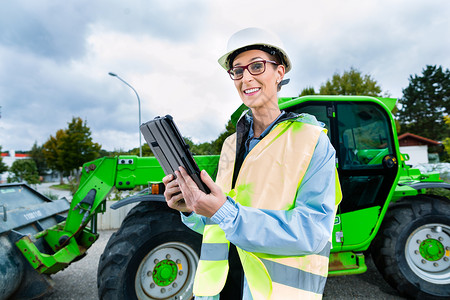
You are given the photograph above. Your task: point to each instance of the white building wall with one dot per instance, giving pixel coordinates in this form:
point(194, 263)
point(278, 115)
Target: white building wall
point(8, 160)
point(417, 154)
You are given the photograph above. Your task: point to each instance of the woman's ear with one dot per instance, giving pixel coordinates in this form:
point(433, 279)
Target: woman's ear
point(280, 73)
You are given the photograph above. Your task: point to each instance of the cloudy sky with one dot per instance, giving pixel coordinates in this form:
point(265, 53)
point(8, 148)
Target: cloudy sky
point(55, 57)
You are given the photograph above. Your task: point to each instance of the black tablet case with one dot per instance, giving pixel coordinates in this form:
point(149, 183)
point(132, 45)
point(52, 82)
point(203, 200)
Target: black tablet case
point(170, 149)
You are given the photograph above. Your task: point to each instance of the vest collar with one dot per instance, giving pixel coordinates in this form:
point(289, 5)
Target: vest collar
point(242, 129)
point(245, 122)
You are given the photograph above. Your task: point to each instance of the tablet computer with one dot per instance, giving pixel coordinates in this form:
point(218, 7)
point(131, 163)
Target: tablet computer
point(170, 149)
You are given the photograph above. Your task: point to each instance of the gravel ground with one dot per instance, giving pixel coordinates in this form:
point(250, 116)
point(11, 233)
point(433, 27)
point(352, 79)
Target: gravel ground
point(79, 280)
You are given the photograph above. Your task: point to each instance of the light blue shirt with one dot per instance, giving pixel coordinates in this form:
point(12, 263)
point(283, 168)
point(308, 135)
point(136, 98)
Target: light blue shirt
point(251, 141)
point(303, 230)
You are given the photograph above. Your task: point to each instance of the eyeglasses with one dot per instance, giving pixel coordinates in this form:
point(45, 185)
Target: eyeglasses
point(254, 68)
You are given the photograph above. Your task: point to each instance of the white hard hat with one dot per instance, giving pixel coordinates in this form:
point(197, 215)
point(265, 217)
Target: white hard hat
point(254, 38)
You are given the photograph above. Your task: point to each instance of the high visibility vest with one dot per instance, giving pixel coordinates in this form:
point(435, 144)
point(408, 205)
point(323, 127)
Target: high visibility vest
point(282, 158)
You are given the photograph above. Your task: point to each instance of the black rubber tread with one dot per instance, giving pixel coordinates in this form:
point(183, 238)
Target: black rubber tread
point(146, 226)
point(388, 249)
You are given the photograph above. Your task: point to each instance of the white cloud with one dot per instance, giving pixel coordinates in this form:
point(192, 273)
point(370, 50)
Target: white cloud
point(170, 78)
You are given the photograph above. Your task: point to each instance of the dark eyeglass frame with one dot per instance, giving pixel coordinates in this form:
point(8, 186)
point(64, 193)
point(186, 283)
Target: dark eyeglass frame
point(246, 68)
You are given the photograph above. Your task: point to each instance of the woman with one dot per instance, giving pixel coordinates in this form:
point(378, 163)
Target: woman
point(271, 210)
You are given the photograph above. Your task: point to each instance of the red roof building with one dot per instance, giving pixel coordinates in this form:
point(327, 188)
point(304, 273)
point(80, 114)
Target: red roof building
point(13, 154)
point(416, 147)
point(409, 139)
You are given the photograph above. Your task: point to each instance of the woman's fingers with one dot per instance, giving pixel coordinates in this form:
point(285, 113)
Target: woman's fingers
point(213, 187)
point(186, 179)
point(200, 202)
point(172, 187)
point(184, 187)
point(173, 195)
point(167, 179)
point(174, 201)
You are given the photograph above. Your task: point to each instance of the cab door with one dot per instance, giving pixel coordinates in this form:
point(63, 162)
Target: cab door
point(366, 160)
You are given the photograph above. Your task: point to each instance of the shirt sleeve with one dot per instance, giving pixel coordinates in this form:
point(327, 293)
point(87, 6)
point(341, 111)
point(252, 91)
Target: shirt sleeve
point(306, 229)
point(194, 222)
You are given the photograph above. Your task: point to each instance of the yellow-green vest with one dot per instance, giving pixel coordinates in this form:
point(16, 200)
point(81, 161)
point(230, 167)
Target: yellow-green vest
point(282, 159)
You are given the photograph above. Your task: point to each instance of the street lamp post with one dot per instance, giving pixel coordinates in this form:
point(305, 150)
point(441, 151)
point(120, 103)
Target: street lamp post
point(139, 104)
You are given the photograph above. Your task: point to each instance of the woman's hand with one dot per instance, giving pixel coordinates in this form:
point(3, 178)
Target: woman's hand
point(200, 202)
point(173, 195)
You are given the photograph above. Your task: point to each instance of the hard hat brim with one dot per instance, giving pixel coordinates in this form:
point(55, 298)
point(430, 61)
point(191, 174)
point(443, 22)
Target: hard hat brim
point(223, 60)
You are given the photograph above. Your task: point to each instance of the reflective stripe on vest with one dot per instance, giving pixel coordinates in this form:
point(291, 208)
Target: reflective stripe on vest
point(213, 266)
point(284, 153)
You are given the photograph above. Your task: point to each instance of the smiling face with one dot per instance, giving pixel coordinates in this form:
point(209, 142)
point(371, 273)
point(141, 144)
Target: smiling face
point(258, 91)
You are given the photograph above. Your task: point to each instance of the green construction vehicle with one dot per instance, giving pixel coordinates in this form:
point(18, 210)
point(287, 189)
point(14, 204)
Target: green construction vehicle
point(386, 211)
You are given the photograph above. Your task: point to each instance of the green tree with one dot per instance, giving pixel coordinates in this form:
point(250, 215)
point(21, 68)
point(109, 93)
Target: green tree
point(78, 146)
point(146, 151)
point(3, 166)
point(425, 102)
point(199, 149)
point(37, 154)
point(446, 141)
point(351, 83)
point(104, 153)
point(308, 91)
point(23, 170)
point(70, 148)
point(53, 151)
point(216, 145)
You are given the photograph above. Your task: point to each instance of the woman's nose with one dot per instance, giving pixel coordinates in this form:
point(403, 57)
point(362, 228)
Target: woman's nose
point(246, 76)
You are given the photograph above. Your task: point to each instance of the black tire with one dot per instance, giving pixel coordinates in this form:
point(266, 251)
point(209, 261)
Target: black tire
point(151, 233)
point(404, 250)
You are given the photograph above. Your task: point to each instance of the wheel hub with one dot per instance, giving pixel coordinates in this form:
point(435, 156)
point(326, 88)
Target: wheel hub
point(432, 249)
point(428, 253)
point(166, 272)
